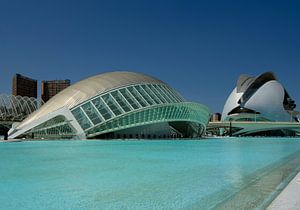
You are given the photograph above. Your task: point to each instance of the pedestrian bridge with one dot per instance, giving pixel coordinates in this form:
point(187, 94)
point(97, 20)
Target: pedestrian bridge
point(248, 127)
point(15, 109)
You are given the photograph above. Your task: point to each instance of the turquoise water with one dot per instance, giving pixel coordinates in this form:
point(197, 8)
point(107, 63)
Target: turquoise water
point(193, 174)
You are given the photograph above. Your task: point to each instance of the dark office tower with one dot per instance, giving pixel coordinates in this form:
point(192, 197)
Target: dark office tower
point(52, 87)
point(24, 86)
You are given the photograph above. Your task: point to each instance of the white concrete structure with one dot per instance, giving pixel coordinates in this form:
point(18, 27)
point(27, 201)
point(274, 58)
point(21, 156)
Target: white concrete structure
point(289, 198)
point(111, 105)
point(260, 98)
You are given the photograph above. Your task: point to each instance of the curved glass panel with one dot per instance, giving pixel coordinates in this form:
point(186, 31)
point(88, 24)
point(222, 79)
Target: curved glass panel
point(122, 101)
point(186, 111)
point(112, 105)
point(56, 127)
point(102, 108)
point(137, 96)
point(81, 118)
point(92, 113)
point(151, 94)
point(131, 100)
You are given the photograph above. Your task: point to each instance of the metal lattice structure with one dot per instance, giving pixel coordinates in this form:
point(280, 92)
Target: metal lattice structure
point(136, 105)
point(17, 108)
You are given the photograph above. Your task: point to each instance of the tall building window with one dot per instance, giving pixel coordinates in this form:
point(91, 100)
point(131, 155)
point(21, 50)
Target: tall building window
point(24, 86)
point(53, 87)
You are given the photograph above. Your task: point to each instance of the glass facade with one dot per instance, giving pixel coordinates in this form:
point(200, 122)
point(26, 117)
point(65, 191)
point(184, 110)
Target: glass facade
point(106, 105)
point(57, 127)
point(122, 101)
point(126, 107)
point(184, 111)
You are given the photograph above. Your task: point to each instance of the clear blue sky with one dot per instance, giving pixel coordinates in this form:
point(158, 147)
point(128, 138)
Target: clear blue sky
point(198, 47)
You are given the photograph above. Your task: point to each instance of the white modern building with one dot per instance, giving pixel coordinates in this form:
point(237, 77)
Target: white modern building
point(115, 105)
point(259, 99)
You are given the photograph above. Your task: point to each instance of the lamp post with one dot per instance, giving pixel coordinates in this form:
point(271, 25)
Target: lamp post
point(230, 128)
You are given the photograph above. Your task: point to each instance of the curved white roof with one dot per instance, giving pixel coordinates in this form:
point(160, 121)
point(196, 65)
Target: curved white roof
point(87, 88)
point(263, 94)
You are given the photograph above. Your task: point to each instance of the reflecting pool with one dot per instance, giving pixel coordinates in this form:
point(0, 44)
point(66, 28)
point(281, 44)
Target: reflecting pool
point(178, 174)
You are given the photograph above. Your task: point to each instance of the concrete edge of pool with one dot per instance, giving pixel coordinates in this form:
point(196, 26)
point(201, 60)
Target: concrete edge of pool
point(10, 140)
point(288, 198)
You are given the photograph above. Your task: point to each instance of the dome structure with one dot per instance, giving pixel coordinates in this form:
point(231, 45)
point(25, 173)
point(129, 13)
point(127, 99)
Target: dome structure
point(115, 105)
point(260, 98)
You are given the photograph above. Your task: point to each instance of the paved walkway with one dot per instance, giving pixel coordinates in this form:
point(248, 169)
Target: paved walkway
point(10, 140)
point(289, 198)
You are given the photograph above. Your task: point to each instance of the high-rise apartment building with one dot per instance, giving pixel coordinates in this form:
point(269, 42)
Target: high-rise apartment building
point(24, 86)
point(52, 87)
